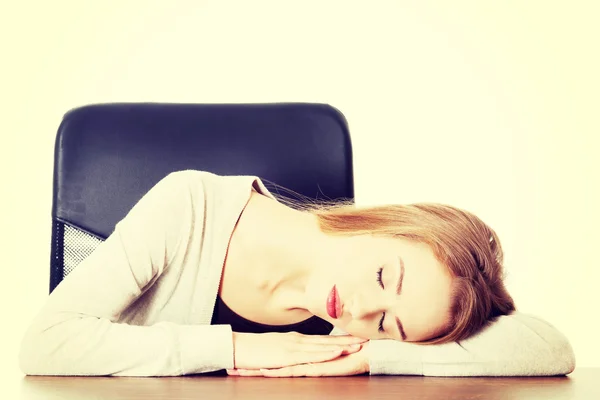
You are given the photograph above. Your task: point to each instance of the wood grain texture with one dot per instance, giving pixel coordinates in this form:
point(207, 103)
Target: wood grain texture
point(582, 384)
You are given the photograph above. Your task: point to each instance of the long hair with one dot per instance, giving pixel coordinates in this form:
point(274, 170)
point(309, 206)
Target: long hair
point(461, 241)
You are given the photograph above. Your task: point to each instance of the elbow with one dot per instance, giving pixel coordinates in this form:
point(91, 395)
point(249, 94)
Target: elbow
point(564, 357)
point(569, 364)
point(539, 348)
point(38, 353)
point(29, 358)
point(559, 357)
point(33, 360)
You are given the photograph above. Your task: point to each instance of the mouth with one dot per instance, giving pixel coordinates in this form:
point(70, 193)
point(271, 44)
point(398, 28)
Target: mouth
point(334, 305)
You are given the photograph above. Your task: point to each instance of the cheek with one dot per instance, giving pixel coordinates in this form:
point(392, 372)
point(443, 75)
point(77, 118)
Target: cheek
point(424, 316)
point(351, 274)
point(359, 329)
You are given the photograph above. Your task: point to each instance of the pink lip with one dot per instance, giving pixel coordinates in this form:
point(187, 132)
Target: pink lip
point(334, 305)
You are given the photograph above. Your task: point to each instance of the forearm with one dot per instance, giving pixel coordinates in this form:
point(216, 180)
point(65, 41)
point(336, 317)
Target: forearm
point(92, 346)
point(515, 345)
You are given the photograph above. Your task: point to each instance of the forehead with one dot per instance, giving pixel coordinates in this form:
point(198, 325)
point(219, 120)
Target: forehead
point(424, 303)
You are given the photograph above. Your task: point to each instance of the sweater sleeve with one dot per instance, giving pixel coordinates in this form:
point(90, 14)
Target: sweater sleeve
point(514, 345)
point(76, 332)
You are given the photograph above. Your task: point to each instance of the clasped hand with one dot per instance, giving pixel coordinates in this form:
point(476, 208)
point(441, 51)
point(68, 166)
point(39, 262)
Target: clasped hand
point(293, 354)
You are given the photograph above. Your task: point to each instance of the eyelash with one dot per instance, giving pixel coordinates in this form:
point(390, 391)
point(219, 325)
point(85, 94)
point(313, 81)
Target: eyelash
point(380, 281)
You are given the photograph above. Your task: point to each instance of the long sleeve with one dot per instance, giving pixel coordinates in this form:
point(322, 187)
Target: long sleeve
point(514, 345)
point(77, 333)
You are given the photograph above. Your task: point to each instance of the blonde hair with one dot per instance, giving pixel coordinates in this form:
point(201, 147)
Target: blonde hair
point(461, 241)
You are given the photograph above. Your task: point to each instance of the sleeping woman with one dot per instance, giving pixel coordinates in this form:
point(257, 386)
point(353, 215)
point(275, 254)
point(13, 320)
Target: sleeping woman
point(210, 273)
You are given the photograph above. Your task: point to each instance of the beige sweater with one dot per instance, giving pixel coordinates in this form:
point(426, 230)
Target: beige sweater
point(142, 303)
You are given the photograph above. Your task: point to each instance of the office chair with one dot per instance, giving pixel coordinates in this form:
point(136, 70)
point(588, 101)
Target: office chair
point(107, 156)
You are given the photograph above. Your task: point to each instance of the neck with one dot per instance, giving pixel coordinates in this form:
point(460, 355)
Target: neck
point(283, 247)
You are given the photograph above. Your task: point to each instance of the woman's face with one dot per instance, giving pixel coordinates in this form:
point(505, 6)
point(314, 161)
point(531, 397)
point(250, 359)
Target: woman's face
point(367, 278)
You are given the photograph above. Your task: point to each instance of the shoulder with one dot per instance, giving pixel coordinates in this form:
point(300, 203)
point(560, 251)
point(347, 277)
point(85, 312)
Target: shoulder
point(224, 190)
point(186, 185)
point(198, 178)
point(173, 200)
point(187, 177)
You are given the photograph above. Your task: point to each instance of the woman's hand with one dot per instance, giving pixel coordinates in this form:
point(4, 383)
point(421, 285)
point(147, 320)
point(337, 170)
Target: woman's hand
point(273, 350)
point(355, 363)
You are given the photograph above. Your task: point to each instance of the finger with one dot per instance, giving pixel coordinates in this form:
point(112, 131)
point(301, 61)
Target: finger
point(331, 339)
point(315, 357)
point(347, 349)
point(309, 370)
point(244, 372)
point(342, 366)
point(312, 347)
point(292, 371)
point(352, 349)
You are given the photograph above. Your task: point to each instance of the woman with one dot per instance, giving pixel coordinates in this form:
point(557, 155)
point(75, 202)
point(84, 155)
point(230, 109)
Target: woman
point(209, 273)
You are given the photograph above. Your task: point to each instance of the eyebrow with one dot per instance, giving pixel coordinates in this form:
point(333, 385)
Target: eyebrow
point(398, 290)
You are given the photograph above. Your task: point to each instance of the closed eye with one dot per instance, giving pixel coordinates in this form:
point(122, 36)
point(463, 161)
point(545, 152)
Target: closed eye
point(380, 281)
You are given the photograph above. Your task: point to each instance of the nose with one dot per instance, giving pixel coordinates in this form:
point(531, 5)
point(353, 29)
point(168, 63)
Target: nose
point(364, 306)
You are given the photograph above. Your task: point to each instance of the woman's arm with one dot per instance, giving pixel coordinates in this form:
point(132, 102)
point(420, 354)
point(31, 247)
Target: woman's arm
point(514, 345)
point(76, 332)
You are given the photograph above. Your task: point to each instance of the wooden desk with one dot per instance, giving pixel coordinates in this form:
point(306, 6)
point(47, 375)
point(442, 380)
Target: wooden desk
point(582, 384)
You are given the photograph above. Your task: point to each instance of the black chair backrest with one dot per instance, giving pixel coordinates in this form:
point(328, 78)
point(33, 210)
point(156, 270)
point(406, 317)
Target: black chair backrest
point(108, 155)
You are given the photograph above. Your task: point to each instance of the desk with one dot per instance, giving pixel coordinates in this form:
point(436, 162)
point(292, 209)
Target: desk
point(582, 384)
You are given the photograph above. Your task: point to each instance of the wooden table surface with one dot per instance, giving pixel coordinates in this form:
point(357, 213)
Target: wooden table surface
point(582, 384)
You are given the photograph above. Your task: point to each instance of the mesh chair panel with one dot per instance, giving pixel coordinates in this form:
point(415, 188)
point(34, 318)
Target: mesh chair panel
point(77, 246)
point(71, 246)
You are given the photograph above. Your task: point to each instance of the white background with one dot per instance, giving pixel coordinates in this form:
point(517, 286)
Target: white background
point(489, 106)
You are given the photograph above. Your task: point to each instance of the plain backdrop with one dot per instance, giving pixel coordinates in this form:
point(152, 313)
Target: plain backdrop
point(489, 106)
